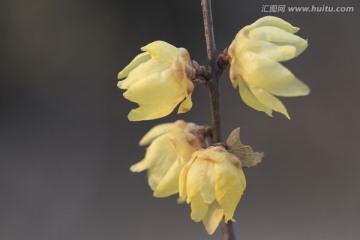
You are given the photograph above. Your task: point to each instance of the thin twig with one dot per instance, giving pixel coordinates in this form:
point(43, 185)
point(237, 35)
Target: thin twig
point(209, 31)
point(227, 229)
point(213, 90)
point(213, 83)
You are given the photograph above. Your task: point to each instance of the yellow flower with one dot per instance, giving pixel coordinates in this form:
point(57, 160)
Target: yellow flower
point(213, 182)
point(171, 147)
point(255, 54)
point(157, 80)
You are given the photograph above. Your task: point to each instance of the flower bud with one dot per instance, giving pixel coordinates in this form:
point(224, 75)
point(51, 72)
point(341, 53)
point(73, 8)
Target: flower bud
point(213, 183)
point(255, 54)
point(171, 147)
point(157, 81)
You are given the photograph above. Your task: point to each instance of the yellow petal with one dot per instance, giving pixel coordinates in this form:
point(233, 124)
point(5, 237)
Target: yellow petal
point(186, 105)
point(232, 197)
point(196, 177)
point(156, 132)
point(269, 100)
point(198, 208)
point(250, 100)
point(212, 154)
point(140, 166)
point(186, 143)
point(165, 157)
point(277, 35)
point(181, 200)
point(139, 59)
point(276, 22)
point(263, 72)
point(213, 217)
point(151, 111)
point(273, 51)
point(293, 89)
point(169, 184)
point(140, 72)
point(183, 178)
point(226, 175)
point(156, 88)
point(161, 51)
point(152, 154)
point(208, 187)
point(234, 75)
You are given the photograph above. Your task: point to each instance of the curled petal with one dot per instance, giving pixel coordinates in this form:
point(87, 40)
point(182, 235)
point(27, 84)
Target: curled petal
point(151, 111)
point(276, 22)
point(161, 51)
point(139, 59)
point(140, 72)
point(274, 51)
point(277, 35)
point(152, 157)
point(269, 100)
point(156, 132)
point(250, 100)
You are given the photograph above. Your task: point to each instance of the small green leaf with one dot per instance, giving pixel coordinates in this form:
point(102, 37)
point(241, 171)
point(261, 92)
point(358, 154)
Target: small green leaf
point(247, 156)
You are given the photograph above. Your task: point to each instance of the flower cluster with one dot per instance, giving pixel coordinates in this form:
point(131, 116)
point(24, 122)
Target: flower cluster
point(158, 81)
point(178, 158)
point(210, 179)
point(171, 146)
point(254, 66)
point(213, 182)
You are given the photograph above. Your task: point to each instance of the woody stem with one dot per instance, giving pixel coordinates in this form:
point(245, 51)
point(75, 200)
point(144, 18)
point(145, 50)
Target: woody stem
point(213, 89)
point(215, 73)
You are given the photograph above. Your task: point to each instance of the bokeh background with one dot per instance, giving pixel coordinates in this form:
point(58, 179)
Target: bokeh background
point(66, 145)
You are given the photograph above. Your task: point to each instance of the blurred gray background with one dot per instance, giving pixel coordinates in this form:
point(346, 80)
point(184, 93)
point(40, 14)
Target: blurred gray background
point(66, 145)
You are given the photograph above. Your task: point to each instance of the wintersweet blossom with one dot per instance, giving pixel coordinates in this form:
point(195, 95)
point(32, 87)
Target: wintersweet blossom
point(255, 54)
point(158, 80)
point(213, 182)
point(171, 147)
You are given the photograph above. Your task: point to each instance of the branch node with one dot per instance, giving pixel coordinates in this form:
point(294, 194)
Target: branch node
point(200, 71)
point(223, 60)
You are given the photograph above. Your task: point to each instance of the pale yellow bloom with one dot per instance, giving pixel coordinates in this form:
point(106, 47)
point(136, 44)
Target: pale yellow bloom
point(171, 147)
point(213, 182)
point(255, 55)
point(157, 81)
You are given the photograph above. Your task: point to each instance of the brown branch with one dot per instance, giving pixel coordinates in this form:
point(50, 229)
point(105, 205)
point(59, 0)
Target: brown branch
point(213, 83)
point(228, 230)
point(215, 70)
